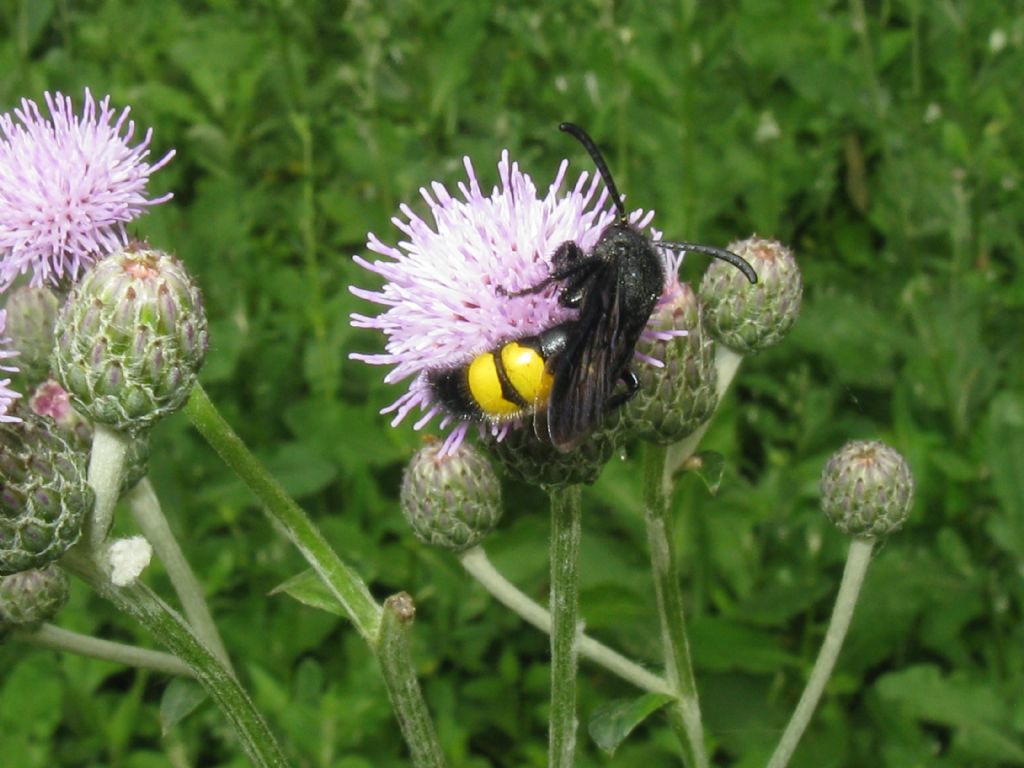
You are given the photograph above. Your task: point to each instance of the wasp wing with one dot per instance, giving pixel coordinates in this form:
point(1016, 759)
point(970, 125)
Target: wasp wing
point(587, 371)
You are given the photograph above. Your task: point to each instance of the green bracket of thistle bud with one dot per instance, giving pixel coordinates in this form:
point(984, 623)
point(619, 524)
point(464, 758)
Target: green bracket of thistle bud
point(31, 313)
point(530, 459)
point(746, 317)
point(28, 598)
point(131, 338)
point(675, 399)
point(451, 501)
point(867, 489)
point(44, 496)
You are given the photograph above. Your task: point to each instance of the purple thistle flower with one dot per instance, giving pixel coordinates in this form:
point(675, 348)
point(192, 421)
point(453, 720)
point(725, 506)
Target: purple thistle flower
point(7, 395)
point(442, 297)
point(68, 186)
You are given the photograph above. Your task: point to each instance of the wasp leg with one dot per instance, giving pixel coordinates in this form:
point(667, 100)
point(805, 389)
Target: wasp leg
point(632, 387)
point(568, 261)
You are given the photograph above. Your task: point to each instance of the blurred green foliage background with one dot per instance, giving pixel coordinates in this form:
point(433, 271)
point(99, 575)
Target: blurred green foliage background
point(882, 140)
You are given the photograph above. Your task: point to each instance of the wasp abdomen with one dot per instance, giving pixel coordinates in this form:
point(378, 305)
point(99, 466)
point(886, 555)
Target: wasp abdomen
point(505, 383)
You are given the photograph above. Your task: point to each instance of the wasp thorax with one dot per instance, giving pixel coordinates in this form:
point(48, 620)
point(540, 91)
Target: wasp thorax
point(131, 338)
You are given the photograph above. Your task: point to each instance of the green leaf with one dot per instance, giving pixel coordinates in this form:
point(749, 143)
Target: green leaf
point(612, 722)
point(970, 706)
point(181, 698)
point(308, 589)
point(1006, 451)
point(721, 645)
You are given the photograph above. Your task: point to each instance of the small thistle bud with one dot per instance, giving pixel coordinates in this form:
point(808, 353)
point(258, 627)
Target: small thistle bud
point(31, 312)
point(50, 399)
point(44, 495)
point(536, 461)
point(131, 338)
point(867, 489)
point(676, 399)
point(453, 500)
point(31, 597)
point(749, 317)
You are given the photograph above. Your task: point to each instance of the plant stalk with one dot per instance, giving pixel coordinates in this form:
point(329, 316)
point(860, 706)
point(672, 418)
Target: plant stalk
point(344, 583)
point(150, 519)
point(566, 628)
point(403, 688)
point(678, 666)
point(139, 602)
point(475, 561)
point(57, 639)
point(106, 465)
point(857, 560)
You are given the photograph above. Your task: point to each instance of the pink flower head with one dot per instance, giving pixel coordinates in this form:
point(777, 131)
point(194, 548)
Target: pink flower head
point(7, 395)
point(447, 283)
point(68, 186)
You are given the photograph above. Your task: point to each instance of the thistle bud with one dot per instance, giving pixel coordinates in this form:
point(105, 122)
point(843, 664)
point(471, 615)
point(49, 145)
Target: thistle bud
point(50, 399)
point(451, 501)
point(31, 313)
point(44, 495)
point(31, 597)
point(535, 461)
point(131, 338)
point(748, 317)
point(675, 399)
point(867, 489)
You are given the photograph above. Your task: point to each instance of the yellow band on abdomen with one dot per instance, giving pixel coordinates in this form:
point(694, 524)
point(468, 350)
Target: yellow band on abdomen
point(485, 387)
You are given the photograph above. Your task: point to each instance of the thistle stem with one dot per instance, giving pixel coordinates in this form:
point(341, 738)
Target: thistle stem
point(57, 639)
point(403, 688)
point(139, 602)
point(678, 666)
point(475, 561)
point(150, 519)
point(348, 589)
point(565, 625)
point(857, 560)
point(344, 583)
point(106, 465)
point(727, 363)
point(660, 467)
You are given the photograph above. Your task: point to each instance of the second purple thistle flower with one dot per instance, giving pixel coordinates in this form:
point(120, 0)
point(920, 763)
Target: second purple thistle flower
point(448, 284)
point(69, 184)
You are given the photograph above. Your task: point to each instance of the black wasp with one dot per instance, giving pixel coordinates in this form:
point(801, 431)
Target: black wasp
point(568, 376)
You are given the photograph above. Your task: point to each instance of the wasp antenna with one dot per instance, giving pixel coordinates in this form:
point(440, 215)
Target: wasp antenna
point(595, 154)
point(737, 261)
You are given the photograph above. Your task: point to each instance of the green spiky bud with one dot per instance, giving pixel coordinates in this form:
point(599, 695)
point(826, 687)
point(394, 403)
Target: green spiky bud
point(533, 460)
point(451, 500)
point(867, 489)
point(44, 496)
point(31, 597)
point(51, 400)
point(748, 317)
point(31, 313)
point(131, 338)
point(675, 399)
